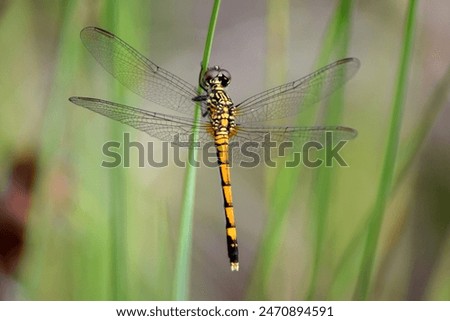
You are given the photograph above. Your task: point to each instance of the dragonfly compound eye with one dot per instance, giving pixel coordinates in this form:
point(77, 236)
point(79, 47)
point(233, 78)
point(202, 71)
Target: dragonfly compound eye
point(224, 77)
point(210, 75)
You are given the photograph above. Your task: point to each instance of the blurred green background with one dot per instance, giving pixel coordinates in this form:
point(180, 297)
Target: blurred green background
point(73, 230)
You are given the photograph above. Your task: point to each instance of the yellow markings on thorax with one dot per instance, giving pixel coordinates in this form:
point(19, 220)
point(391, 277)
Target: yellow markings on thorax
point(221, 112)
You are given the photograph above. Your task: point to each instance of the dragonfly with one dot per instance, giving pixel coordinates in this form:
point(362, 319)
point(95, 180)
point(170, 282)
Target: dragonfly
point(222, 121)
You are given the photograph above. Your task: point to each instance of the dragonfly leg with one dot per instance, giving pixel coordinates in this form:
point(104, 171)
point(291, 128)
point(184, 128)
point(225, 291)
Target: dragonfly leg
point(202, 98)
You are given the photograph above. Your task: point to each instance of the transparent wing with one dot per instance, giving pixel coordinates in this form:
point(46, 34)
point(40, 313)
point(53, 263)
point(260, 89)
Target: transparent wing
point(297, 134)
point(161, 126)
point(291, 98)
point(250, 139)
point(137, 73)
point(256, 139)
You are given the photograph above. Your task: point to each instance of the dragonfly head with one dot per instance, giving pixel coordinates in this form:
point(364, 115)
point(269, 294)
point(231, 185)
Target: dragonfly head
point(215, 76)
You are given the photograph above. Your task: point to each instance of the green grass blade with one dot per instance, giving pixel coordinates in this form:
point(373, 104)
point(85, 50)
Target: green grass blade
point(182, 268)
point(387, 174)
point(323, 178)
point(277, 40)
point(117, 186)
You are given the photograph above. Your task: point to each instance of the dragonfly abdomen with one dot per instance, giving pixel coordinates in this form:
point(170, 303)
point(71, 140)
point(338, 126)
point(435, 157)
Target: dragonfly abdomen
point(222, 145)
point(221, 113)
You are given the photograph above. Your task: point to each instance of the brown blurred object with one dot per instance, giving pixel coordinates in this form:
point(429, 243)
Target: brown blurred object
point(14, 207)
point(430, 212)
point(3, 5)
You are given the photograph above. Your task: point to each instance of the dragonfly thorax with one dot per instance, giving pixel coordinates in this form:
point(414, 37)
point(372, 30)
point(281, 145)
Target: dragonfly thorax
point(220, 106)
point(221, 111)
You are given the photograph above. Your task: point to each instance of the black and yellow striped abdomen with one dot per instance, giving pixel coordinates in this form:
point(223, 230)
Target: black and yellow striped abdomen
point(222, 145)
point(221, 113)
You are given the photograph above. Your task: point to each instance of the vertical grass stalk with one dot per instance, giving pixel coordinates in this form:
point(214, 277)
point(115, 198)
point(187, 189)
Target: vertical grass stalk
point(117, 188)
point(323, 178)
point(182, 267)
point(387, 174)
point(277, 39)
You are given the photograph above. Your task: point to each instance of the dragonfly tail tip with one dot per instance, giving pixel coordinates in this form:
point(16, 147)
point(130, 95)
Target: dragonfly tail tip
point(234, 266)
